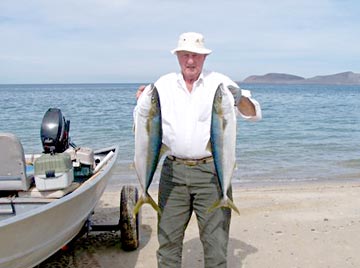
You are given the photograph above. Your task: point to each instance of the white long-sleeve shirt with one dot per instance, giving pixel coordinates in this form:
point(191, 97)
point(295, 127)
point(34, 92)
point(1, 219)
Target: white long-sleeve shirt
point(186, 116)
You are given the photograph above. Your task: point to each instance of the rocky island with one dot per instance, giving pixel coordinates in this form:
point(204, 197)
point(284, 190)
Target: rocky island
point(345, 78)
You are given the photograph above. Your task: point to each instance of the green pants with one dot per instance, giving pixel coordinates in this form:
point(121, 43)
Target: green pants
point(182, 190)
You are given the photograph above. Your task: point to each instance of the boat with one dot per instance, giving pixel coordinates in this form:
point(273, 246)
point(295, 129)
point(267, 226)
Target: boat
point(41, 213)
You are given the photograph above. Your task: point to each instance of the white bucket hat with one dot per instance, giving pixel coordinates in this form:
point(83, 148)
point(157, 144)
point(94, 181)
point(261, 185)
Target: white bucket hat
point(192, 42)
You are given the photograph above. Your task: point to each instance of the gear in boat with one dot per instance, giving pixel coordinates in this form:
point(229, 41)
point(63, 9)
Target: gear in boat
point(60, 164)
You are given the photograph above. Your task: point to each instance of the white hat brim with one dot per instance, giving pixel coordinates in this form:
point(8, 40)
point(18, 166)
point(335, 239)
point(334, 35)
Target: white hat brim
point(192, 49)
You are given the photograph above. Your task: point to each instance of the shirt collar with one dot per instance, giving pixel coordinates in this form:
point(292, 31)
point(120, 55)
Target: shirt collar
point(198, 82)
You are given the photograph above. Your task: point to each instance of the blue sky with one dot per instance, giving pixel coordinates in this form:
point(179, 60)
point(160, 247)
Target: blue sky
point(106, 41)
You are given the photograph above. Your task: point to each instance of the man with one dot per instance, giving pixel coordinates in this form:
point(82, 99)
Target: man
point(188, 179)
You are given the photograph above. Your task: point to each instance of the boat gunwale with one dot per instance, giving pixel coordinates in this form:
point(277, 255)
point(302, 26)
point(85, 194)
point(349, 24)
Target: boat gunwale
point(94, 179)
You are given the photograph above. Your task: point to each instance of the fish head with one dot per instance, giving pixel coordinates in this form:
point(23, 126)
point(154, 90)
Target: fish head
point(155, 102)
point(222, 101)
point(217, 104)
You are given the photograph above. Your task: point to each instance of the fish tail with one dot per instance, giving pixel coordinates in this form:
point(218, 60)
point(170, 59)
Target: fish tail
point(232, 205)
point(214, 206)
point(153, 204)
point(139, 203)
point(143, 200)
point(224, 203)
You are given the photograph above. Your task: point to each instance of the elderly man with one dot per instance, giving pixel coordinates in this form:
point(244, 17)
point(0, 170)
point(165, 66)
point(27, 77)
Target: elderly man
point(186, 104)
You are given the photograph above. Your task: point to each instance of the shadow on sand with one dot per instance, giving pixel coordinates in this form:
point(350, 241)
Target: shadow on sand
point(193, 255)
point(97, 250)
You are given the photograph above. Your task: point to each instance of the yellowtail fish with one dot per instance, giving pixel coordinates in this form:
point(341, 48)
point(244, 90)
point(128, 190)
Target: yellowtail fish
point(223, 143)
point(148, 141)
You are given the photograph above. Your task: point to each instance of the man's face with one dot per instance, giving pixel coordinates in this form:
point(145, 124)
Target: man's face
point(191, 64)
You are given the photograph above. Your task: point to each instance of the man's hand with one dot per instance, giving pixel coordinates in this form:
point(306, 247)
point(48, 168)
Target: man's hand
point(140, 91)
point(242, 102)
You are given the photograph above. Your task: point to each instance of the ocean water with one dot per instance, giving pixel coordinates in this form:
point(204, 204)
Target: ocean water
point(308, 132)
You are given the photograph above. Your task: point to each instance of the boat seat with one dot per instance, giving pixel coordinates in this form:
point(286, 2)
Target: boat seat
point(12, 164)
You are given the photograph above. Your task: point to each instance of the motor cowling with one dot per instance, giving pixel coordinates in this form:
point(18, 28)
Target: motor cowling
point(54, 131)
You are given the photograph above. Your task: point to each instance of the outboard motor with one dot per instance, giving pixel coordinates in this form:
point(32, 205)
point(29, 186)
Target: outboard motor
point(53, 169)
point(54, 131)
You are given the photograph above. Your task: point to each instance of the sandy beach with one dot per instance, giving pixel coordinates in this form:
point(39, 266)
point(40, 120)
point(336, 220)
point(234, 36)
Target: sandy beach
point(299, 225)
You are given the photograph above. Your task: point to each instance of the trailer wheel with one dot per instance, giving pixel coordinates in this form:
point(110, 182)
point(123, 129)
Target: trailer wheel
point(129, 224)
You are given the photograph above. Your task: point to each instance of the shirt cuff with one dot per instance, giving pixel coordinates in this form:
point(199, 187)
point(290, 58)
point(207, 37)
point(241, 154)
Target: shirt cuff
point(258, 113)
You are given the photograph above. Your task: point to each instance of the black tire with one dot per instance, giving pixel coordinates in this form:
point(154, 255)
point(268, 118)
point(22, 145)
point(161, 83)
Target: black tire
point(129, 225)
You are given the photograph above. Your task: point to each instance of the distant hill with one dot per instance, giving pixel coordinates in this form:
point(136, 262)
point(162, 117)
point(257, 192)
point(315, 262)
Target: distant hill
point(346, 78)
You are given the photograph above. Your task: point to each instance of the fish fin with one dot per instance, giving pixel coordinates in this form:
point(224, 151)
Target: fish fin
point(154, 205)
point(214, 206)
point(208, 146)
point(163, 150)
point(143, 200)
point(225, 204)
point(225, 123)
point(132, 165)
point(139, 203)
point(232, 205)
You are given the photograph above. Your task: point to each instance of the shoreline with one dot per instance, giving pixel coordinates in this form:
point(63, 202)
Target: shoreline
point(298, 225)
point(130, 178)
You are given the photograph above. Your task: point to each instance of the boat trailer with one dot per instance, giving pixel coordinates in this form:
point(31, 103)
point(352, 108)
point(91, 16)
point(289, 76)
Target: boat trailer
point(128, 224)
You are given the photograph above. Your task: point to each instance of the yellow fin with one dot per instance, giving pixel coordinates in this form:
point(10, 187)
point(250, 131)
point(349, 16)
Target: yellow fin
point(143, 200)
point(132, 165)
point(225, 203)
point(163, 150)
point(208, 147)
point(231, 205)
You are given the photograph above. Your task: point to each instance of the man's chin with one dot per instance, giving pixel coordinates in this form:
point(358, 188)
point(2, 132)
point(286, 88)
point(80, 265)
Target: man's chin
point(191, 73)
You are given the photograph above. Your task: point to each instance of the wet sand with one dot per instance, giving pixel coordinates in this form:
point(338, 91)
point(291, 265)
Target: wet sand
point(302, 225)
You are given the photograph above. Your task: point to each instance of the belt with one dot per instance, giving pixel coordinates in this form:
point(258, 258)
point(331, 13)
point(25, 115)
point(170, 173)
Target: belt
point(191, 162)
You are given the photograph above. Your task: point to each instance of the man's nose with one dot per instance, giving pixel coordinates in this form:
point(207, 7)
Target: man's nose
point(190, 59)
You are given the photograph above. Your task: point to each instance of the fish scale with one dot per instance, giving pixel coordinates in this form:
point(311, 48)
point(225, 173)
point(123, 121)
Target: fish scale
point(148, 142)
point(223, 143)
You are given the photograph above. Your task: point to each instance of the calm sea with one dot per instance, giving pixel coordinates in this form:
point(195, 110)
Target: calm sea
point(308, 132)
